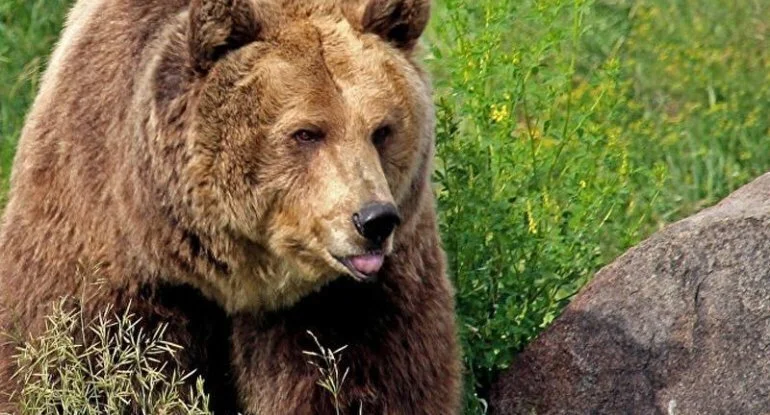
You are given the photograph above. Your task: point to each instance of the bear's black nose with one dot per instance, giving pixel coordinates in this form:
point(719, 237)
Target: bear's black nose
point(376, 221)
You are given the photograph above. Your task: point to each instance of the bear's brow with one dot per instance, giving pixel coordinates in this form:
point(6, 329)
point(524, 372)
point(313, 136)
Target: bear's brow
point(324, 63)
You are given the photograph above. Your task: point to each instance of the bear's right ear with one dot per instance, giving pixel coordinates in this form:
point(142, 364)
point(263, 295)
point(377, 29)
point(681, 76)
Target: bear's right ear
point(221, 26)
point(399, 22)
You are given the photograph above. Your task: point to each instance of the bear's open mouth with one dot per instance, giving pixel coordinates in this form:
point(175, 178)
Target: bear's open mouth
point(363, 267)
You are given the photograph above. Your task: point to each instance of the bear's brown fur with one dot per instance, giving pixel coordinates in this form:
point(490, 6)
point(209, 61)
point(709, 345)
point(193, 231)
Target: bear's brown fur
point(208, 156)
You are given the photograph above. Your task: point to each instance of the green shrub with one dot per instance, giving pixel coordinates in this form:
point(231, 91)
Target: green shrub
point(535, 180)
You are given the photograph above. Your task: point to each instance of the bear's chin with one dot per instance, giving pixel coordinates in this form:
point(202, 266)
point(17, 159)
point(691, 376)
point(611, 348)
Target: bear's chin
point(268, 287)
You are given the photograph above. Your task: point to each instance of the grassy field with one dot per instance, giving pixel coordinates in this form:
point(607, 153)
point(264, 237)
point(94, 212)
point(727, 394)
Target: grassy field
point(568, 130)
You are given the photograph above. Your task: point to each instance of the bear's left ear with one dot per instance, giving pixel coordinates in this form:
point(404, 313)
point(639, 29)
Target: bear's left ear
point(221, 26)
point(400, 22)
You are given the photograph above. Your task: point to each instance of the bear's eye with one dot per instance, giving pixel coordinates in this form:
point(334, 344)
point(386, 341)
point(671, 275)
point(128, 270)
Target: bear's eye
point(381, 135)
point(308, 136)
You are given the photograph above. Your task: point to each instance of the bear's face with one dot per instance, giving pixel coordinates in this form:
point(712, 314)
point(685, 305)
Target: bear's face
point(305, 141)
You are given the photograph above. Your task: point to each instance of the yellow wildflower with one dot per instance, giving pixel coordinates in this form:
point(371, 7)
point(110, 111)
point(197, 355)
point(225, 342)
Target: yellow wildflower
point(531, 219)
point(499, 112)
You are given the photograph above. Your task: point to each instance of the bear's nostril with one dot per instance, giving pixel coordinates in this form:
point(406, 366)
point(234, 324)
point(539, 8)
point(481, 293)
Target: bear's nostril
point(376, 221)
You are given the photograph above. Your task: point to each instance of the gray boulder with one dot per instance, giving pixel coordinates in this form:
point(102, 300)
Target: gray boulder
point(678, 325)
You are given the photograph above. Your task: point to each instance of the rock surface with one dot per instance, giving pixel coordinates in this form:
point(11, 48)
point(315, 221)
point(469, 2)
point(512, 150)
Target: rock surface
point(678, 325)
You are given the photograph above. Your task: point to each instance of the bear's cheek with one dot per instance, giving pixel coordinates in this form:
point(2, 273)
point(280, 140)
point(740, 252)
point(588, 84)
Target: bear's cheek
point(299, 238)
point(230, 197)
point(254, 176)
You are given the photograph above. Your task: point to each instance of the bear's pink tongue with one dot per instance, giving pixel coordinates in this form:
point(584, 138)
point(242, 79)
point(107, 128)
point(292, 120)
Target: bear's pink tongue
point(367, 264)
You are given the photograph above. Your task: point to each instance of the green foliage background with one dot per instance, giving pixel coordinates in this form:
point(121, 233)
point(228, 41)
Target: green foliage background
point(571, 129)
point(568, 130)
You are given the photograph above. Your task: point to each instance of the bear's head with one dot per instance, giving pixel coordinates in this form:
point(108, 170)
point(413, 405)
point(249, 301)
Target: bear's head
point(308, 133)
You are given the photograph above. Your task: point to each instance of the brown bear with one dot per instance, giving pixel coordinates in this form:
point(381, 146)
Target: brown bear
point(245, 171)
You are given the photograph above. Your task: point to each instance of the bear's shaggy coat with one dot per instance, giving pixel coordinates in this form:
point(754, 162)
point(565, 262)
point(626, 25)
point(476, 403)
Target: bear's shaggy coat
point(207, 157)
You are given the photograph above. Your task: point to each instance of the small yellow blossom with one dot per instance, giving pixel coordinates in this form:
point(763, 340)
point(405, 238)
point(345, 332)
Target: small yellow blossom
point(752, 119)
point(531, 219)
point(499, 112)
point(624, 165)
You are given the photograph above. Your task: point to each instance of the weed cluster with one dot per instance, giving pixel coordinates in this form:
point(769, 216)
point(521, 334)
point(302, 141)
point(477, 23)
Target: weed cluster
point(105, 366)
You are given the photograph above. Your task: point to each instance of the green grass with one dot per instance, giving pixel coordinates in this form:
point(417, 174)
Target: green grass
point(568, 130)
point(28, 30)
